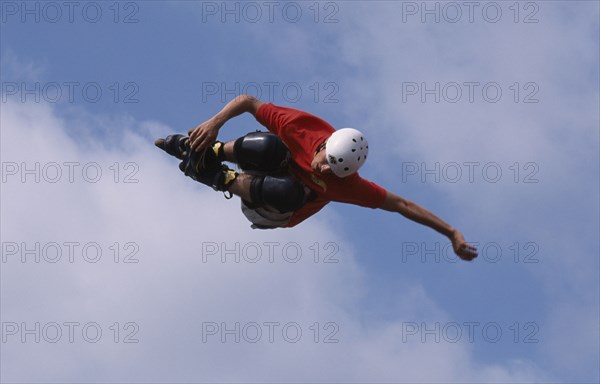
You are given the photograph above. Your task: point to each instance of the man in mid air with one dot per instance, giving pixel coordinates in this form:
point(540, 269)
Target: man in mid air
point(291, 172)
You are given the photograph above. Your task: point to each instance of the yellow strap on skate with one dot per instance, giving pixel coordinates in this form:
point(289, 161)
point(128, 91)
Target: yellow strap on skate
point(216, 147)
point(229, 176)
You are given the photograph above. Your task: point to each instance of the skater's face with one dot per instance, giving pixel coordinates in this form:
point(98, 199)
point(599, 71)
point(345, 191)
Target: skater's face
point(319, 163)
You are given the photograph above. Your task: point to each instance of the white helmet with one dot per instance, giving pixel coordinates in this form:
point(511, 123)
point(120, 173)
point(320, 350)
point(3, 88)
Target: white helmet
point(346, 151)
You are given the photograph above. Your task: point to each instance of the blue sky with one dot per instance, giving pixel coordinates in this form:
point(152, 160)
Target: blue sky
point(499, 87)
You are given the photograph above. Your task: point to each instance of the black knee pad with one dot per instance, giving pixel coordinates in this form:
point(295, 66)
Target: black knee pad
point(282, 193)
point(261, 151)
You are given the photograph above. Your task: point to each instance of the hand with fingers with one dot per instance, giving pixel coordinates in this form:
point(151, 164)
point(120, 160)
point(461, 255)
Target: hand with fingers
point(463, 249)
point(204, 134)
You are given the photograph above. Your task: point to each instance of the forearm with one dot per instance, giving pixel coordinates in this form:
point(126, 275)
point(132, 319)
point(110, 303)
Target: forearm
point(417, 213)
point(206, 133)
point(237, 106)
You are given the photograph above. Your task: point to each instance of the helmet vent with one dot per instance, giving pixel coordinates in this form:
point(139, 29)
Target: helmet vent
point(341, 160)
point(345, 169)
point(353, 149)
point(354, 140)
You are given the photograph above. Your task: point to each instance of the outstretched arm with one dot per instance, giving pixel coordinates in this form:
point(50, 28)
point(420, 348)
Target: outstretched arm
point(415, 212)
point(206, 133)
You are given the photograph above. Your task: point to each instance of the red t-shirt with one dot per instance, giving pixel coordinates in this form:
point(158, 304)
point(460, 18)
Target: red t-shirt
point(302, 133)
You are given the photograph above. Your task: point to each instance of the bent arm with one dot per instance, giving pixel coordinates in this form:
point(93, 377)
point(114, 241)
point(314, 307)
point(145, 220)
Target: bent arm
point(417, 213)
point(237, 106)
point(206, 133)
